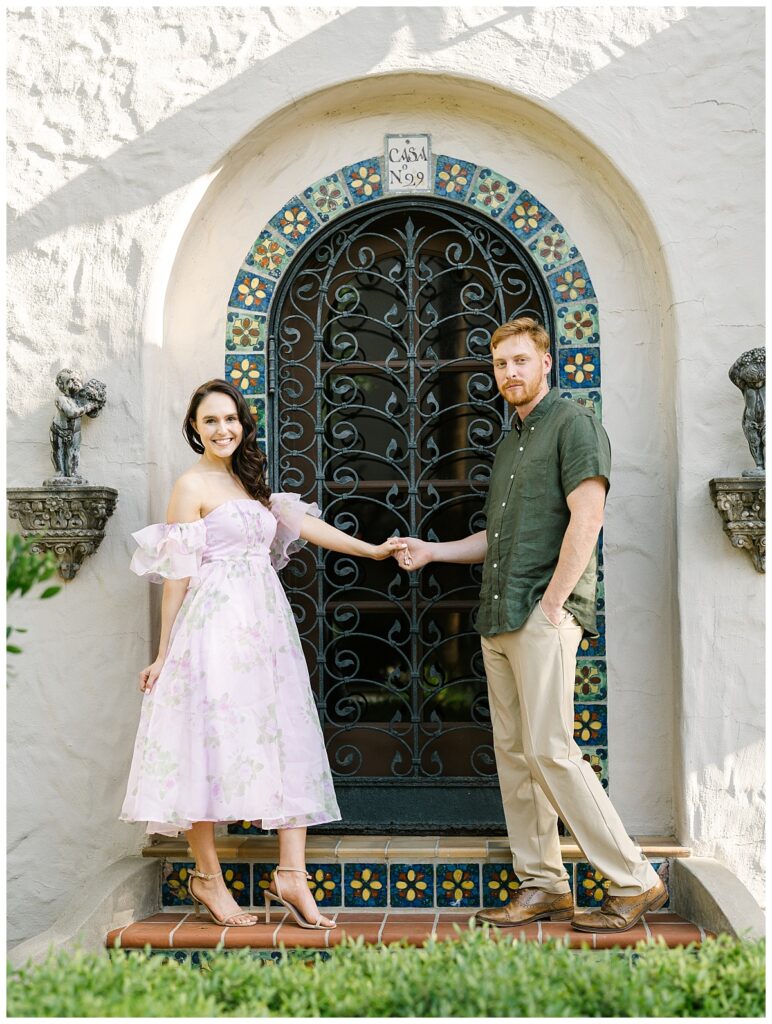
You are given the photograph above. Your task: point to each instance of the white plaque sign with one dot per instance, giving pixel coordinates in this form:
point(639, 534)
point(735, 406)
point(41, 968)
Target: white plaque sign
point(407, 163)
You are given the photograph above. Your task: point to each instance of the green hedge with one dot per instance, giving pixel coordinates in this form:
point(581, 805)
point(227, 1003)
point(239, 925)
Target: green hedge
point(472, 977)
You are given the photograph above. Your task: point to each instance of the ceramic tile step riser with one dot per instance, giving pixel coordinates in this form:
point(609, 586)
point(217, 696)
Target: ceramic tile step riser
point(180, 931)
point(372, 885)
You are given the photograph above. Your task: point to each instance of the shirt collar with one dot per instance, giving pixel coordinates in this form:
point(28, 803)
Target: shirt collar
point(538, 411)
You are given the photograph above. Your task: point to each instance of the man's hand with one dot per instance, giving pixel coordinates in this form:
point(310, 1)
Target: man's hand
point(416, 554)
point(552, 610)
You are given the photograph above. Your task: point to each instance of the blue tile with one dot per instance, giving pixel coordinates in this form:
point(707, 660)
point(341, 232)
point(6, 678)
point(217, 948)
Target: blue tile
point(261, 879)
point(411, 885)
point(590, 725)
point(237, 879)
point(246, 372)
point(294, 222)
point(571, 284)
point(366, 885)
point(257, 408)
point(499, 882)
point(325, 884)
point(526, 217)
point(251, 292)
point(579, 368)
point(590, 647)
point(453, 177)
point(174, 887)
point(244, 828)
point(591, 885)
point(458, 885)
point(364, 179)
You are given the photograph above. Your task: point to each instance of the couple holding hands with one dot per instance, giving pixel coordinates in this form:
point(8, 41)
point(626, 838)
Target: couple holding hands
point(229, 729)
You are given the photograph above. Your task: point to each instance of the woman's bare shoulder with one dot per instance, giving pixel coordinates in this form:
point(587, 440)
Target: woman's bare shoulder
point(191, 483)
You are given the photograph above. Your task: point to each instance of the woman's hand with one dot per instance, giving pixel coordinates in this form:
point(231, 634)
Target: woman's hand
point(148, 676)
point(390, 547)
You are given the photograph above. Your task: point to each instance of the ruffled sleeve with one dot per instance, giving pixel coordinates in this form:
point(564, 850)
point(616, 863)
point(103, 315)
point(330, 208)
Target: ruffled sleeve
point(289, 511)
point(169, 551)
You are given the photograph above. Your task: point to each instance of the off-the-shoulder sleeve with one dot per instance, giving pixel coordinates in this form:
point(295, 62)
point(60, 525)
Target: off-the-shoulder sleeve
point(289, 511)
point(169, 551)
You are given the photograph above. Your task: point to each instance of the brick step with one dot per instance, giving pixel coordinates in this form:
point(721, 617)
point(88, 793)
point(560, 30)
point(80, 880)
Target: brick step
point(180, 931)
point(382, 873)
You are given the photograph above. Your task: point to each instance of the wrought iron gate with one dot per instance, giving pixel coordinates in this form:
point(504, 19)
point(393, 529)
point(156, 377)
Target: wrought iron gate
point(383, 410)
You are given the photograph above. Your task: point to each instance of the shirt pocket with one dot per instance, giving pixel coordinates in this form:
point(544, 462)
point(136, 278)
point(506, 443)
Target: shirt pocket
point(532, 479)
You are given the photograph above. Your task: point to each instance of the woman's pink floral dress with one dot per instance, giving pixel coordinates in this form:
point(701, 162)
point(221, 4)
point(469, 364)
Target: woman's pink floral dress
point(230, 730)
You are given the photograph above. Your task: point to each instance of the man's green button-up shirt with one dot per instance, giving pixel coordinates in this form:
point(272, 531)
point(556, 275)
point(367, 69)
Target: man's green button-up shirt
point(540, 461)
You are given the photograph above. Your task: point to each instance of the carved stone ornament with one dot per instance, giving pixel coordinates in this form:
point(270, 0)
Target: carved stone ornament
point(741, 502)
point(69, 522)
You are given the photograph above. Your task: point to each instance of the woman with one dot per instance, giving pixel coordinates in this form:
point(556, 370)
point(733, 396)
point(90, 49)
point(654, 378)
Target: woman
point(229, 729)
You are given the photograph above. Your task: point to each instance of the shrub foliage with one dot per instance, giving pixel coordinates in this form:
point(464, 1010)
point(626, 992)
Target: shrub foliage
point(471, 977)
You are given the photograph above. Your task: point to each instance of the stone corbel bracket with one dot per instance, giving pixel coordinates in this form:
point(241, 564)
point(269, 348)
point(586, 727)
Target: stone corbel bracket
point(741, 502)
point(70, 522)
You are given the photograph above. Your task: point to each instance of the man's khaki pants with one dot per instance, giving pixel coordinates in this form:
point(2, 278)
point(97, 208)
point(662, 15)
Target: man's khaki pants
point(541, 771)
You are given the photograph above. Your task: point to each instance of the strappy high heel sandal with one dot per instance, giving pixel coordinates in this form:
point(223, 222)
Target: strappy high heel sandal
point(198, 903)
point(270, 896)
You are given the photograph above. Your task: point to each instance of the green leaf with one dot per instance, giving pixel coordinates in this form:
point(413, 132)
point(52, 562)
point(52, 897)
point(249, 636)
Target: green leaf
point(13, 649)
point(49, 592)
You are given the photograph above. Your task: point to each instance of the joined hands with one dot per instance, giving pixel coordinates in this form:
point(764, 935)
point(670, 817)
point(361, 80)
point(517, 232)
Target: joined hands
point(414, 554)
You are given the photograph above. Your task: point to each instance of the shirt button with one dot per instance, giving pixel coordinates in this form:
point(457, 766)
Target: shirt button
point(503, 504)
point(495, 535)
point(531, 428)
point(521, 449)
point(495, 565)
point(511, 476)
point(495, 597)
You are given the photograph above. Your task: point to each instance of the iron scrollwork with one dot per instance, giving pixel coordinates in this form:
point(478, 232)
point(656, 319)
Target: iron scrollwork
point(385, 412)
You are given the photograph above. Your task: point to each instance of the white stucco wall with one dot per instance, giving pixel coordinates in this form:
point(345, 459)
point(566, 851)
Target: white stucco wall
point(148, 147)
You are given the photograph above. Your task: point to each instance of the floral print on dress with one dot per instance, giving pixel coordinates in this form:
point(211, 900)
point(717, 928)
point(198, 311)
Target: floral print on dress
point(230, 731)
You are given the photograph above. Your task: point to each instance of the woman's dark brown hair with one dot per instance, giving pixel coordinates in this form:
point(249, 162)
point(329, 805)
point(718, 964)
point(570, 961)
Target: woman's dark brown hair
point(248, 461)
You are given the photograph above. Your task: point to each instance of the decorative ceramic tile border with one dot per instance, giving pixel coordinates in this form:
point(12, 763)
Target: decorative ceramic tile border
point(175, 881)
point(411, 884)
point(461, 182)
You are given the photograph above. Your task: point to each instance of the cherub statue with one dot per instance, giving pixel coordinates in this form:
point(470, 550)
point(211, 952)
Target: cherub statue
point(749, 373)
point(76, 399)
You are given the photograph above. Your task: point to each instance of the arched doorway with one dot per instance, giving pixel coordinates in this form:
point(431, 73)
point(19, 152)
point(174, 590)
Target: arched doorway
point(383, 410)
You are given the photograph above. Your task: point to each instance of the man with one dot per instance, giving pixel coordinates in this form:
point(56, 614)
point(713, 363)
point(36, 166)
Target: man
point(544, 513)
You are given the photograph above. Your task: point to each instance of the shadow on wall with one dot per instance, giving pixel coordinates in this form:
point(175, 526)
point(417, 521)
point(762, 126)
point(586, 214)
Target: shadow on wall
point(114, 186)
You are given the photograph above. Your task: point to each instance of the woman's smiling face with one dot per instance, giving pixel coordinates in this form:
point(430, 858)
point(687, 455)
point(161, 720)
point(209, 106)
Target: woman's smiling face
point(218, 425)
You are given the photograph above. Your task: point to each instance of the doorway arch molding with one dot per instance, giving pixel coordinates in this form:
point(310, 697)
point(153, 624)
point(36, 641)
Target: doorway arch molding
point(457, 180)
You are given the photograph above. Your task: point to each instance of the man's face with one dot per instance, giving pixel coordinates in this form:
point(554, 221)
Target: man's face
point(520, 368)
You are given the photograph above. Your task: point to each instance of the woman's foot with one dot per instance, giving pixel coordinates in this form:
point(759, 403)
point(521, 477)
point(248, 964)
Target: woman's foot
point(218, 901)
point(293, 887)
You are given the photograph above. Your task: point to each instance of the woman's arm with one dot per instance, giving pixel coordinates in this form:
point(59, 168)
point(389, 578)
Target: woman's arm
point(184, 507)
point(318, 532)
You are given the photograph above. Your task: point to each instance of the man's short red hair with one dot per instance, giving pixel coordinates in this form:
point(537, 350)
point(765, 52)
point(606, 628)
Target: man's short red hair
point(522, 325)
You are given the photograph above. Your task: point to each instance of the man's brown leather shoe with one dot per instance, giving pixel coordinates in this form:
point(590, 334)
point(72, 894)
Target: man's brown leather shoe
point(529, 905)
point(620, 913)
